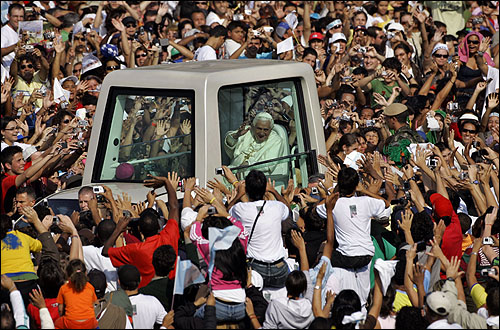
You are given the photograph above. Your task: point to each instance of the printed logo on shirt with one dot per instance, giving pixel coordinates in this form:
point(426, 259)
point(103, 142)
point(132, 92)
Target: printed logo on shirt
point(134, 310)
point(353, 210)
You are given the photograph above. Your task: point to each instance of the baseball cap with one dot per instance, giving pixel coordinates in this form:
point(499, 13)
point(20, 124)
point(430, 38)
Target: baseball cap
point(395, 109)
point(128, 20)
point(316, 35)
point(72, 78)
point(336, 37)
point(469, 116)
point(281, 29)
point(395, 26)
point(441, 205)
point(438, 303)
point(108, 50)
point(98, 281)
point(27, 152)
point(124, 171)
point(360, 27)
point(315, 16)
point(129, 276)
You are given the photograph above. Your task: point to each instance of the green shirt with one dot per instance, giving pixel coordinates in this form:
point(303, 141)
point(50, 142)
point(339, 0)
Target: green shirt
point(379, 86)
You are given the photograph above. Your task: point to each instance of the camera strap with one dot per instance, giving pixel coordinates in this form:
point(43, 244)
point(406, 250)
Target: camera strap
point(255, 222)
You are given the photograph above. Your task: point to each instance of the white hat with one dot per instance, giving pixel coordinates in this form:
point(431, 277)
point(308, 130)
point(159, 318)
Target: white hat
point(73, 78)
point(211, 19)
point(27, 152)
point(438, 303)
point(469, 116)
point(90, 62)
point(438, 47)
point(396, 26)
point(336, 37)
point(333, 23)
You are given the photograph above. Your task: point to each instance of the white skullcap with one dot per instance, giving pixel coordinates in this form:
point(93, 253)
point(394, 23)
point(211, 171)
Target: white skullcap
point(438, 47)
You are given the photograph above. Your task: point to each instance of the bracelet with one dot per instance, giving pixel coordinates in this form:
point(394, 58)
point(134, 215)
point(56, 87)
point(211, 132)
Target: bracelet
point(488, 224)
point(212, 200)
point(474, 253)
point(235, 182)
point(252, 316)
point(317, 287)
point(76, 236)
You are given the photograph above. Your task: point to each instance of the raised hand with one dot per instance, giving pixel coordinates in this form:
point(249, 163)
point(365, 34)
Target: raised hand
point(406, 221)
point(453, 267)
point(485, 44)
point(173, 178)
point(297, 240)
point(186, 127)
point(492, 100)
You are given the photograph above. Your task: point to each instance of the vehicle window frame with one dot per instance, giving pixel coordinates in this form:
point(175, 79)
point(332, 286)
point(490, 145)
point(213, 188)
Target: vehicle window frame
point(104, 134)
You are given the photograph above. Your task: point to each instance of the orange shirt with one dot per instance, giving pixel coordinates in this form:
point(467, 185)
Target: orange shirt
point(466, 242)
point(77, 305)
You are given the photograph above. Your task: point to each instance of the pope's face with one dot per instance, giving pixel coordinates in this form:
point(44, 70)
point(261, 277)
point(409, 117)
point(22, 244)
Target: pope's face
point(261, 130)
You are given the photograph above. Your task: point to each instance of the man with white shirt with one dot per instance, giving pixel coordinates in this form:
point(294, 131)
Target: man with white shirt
point(147, 309)
point(208, 51)
point(218, 14)
point(437, 308)
point(236, 32)
point(94, 259)
point(10, 38)
point(262, 219)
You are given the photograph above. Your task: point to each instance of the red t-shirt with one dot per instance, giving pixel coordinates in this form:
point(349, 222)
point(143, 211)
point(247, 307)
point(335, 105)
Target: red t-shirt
point(452, 238)
point(8, 190)
point(141, 254)
point(52, 306)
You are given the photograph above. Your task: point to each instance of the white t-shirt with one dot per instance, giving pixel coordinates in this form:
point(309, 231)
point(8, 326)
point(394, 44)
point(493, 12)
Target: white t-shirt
point(352, 223)
point(22, 145)
point(266, 244)
point(9, 38)
point(231, 46)
point(205, 53)
point(95, 260)
point(147, 311)
point(443, 324)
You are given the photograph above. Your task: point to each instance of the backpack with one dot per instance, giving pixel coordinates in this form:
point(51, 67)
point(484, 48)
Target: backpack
point(109, 316)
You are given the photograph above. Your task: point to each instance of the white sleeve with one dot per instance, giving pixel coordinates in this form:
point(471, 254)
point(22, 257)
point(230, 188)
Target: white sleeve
point(160, 311)
point(46, 319)
point(321, 210)
point(286, 211)
point(188, 216)
point(20, 316)
point(377, 207)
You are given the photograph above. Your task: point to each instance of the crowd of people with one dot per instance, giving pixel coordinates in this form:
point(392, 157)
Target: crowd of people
point(400, 231)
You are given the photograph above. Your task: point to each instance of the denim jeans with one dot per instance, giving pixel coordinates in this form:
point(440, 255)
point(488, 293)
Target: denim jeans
point(274, 276)
point(225, 312)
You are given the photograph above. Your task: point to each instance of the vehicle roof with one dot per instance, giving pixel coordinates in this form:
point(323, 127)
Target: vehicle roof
point(206, 67)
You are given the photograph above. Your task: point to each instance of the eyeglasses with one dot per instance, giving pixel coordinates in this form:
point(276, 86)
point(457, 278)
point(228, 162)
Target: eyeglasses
point(12, 129)
point(66, 121)
point(24, 66)
point(79, 38)
point(129, 25)
point(141, 55)
point(492, 5)
point(114, 67)
point(474, 42)
point(465, 130)
point(441, 56)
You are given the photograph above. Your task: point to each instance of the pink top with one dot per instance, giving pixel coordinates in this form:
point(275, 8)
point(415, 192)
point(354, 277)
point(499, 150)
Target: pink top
point(201, 243)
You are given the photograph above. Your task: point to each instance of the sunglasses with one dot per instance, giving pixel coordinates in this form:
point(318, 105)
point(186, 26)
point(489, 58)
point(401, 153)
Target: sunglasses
point(114, 67)
point(79, 38)
point(12, 129)
point(203, 3)
point(66, 121)
point(465, 130)
point(337, 26)
point(75, 71)
point(492, 5)
point(131, 25)
point(474, 42)
point(440, 56)
point(29, 66)
point(141, 55)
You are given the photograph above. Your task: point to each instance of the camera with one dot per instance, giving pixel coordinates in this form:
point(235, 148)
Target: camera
point(98, 189)
point(296, 199)
point(347, 79)
point(256, 33)
point(29, 48)
point(370, 122)
point(463, 175)
point(43, 90)
point(268, 29)
point(432, 162)
point(219, 171)
point(487, 240)
point(181, 185)
point(49, 35)
point(164, 42)
point(475, 144)
point(362, 50)
point(400, 201)
point(384, 73)
point(211, 210)
point(127, 213)
point(390, 35)
point(81, 144)
point(141, 30)
point(488, 271)
point(238, 17)
point(314, 191)
point(55, 220)
point(477, 20)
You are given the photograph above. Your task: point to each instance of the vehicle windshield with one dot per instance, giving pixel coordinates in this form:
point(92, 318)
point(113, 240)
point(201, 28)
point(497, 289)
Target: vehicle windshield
point(262, 128)
point(146, 132)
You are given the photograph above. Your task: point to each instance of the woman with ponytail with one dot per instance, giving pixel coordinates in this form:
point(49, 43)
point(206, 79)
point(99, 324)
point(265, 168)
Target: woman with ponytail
point(76, 299)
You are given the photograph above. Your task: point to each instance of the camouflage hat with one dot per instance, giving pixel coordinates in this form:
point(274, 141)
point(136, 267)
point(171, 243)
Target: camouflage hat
point(395, 109)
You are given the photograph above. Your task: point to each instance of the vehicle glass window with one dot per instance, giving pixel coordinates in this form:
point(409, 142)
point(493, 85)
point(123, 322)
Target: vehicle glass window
point(146, 132)
point(261, 128)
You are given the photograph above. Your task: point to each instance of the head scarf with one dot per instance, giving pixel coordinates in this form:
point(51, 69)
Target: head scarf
point(463, 49)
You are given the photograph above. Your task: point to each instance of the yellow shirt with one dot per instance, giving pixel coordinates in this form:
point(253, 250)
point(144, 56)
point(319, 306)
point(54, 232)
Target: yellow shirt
point(23, 87)
point(478, 295)
point(16, 253)
point(401, 300)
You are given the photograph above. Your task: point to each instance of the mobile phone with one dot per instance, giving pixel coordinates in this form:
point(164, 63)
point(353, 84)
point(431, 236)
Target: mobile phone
point(181, 185)
point(487, 240)
point(127, 213)
point(296, 199)
point(219, 171)
point(55, 220)
point(164, 42)
point(475, 144)
point(432, 162)
point(98, 189)
point(211, 210)
point(314, 191)
point(488, 271)
point(268, 29)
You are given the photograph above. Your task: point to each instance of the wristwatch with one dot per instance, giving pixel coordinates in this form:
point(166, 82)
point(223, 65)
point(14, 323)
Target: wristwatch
point(450, 279)
point(480, 53)
point(475, 182)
